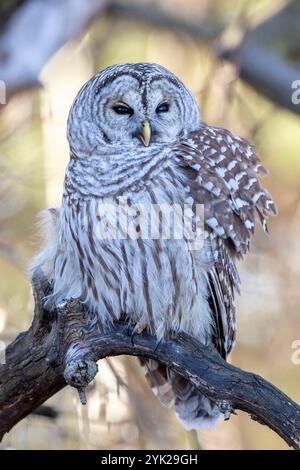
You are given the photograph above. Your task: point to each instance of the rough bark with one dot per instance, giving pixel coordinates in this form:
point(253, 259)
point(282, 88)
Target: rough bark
point(64, 346)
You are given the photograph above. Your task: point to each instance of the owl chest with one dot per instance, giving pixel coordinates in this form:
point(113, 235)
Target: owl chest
point(134, 263)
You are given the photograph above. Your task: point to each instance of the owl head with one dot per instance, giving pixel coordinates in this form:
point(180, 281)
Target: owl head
point(137, 105)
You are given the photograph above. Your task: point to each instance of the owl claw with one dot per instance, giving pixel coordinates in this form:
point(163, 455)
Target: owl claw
point(132, 337)
point(136, 330)
point(130, 329)
point(157, 345)
point(140, 327)
point(131, 332)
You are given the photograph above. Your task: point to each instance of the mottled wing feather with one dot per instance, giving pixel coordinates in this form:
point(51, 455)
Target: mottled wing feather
point(227, 171)
point(222, 281)
point(223, 172)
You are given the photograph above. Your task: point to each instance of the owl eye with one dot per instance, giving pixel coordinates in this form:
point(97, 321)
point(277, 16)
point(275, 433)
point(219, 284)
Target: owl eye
point(123, 109)
point(162, 108)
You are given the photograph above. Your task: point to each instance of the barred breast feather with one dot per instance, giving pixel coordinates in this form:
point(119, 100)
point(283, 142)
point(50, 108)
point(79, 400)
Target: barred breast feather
point(157, 283)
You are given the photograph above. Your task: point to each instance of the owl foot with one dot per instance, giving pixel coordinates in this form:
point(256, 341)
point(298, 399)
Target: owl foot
point(136, 330)
point(130, 330)
point(158, 342)
point(140, 327)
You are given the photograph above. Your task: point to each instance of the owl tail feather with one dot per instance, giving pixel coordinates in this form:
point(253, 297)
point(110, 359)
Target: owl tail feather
point(193, 410)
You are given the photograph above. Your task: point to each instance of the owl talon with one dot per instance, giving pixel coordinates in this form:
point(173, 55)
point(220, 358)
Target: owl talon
point(136, 330)
point(130, 329)
point(140, 327)
point(131, 332)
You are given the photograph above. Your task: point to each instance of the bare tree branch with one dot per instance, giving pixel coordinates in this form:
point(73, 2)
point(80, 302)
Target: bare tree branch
point(266, 72)
point(204, 28)
point(266, 58)
point(256, 58)
point(35, 32)
point(65, 345)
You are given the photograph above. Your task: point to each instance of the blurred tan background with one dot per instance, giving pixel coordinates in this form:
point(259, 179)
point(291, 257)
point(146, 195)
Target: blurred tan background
point(121, 411)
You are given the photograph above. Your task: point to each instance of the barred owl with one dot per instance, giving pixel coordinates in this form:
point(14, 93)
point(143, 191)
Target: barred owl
point(135, 132)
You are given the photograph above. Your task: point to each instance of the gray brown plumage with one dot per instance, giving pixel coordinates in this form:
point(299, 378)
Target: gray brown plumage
point(135, 133)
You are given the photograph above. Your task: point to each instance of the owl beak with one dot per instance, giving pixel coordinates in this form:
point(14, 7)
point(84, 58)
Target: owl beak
point(145, 134)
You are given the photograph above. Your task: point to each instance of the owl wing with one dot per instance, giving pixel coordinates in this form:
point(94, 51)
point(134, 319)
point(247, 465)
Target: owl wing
point(224, 173)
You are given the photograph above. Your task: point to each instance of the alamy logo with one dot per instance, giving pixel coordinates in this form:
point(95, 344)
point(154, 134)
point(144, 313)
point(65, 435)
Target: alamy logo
point(296, 94)
point(123, 220)
point(2, 92)
point(295, 358)
point(2, 352)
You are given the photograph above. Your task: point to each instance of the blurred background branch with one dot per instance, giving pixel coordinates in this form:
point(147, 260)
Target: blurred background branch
point(204, 28)
point(26, 45)
point(268, 57)
point(28, 42)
